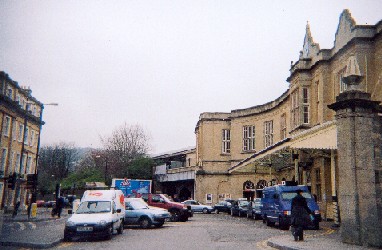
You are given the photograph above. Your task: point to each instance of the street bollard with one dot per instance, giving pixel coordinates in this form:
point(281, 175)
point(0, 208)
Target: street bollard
point(34, 210)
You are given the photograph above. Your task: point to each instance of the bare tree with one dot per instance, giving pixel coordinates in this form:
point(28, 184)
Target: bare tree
point(126, 143)
point(54, 163)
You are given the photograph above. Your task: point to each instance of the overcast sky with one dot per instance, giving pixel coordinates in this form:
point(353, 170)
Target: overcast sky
point(158, 63)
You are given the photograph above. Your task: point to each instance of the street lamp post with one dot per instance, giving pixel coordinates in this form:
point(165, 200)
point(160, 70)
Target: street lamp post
point(99, 156)
point(34, 192)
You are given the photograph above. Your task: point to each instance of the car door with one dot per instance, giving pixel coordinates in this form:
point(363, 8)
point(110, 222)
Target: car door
point(131, 215)
point(115, 217)
point(196, 207)
point(158, 201)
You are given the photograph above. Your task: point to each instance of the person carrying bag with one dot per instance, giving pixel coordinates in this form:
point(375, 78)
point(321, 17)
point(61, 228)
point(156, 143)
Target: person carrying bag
point(300, 216)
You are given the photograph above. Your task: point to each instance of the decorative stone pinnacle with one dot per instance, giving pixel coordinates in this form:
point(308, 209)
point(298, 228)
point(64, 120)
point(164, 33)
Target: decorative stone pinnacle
point(352, 75)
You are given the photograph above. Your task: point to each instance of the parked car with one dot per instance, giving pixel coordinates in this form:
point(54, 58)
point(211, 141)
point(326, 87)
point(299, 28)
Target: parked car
point(178, 211)
point(40, 203)
point(254, 209)
point(50, 204)
point(223, 206)
point(139, 213)
point(277, 202)
point(239, 207)
point(198, 207)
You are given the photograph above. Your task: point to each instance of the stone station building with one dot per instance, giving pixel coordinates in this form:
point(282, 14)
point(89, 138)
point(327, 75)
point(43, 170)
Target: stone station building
point(321, 132)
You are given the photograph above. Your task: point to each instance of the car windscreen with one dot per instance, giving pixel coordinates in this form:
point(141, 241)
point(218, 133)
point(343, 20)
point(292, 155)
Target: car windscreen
point(167, 198)
point(136, 205)
point(243, 203)
point(292, 194)
point(90, 207)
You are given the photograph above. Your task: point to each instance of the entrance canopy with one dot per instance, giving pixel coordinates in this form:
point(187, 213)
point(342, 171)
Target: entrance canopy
point(279, 155)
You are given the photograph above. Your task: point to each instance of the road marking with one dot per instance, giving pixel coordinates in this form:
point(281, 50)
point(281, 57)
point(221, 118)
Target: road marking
point(263, 245)
point(65, 244)
point(31, 225)
point(22, 226)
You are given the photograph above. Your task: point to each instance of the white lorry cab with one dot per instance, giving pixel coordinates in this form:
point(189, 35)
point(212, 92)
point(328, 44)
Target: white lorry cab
point(100, 214)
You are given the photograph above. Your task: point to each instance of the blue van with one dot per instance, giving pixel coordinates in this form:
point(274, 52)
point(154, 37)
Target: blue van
point(277, 201)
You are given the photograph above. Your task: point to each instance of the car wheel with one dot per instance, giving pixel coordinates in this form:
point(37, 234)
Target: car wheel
point(145, 222)
point(205, 210)
point(264, 219)
point(183, 218)
point(217, 211)
point(269, 223)
point(110, 233)
point(160, 224)
point(175, 215)
point(120, 229)
point(67, 238)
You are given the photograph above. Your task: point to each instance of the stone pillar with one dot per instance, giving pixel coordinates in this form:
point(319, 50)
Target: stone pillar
point(357, 190)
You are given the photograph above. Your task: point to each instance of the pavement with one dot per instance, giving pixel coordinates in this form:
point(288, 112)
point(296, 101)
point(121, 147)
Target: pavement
point(44, 231)
point(327, 237)
point(47, 232)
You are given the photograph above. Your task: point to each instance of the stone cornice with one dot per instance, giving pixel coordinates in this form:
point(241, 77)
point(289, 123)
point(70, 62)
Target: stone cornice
point(260, 108)
point(6, 77)
point(15, 107)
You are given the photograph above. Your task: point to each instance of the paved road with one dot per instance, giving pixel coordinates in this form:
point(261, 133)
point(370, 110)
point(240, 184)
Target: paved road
point(203, 231)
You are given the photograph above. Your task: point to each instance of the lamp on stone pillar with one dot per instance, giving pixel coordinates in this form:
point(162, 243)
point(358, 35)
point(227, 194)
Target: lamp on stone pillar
point(35, 183)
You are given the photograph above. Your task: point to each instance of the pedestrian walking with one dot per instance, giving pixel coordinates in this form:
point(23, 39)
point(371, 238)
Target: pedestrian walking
point(29, 204)
point(16, 209)
point(299, 216)
point(60, 205)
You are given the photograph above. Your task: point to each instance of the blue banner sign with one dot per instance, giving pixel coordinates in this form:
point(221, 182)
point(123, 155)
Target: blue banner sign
point(132, 187)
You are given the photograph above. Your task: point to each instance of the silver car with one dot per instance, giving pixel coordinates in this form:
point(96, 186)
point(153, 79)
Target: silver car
point(198, 207)
point(138, 213)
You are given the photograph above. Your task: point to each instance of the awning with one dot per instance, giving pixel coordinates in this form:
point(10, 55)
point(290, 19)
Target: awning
point(278, 148)
point(321, 137)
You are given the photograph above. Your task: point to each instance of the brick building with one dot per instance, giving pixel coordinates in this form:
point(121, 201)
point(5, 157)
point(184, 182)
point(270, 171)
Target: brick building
point(20, 116)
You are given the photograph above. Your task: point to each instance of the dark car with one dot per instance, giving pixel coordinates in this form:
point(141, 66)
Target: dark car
point(254, 209)
point(223, 206)
point(239, 207)
point(50, 204)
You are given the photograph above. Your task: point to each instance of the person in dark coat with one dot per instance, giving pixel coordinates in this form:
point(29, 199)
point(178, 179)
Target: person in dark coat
point(299, 216)
point(16, 209)
point(60, 205)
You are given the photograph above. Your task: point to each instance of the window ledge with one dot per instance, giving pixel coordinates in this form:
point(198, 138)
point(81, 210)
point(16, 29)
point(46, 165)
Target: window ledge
point(225, 154)
point(248, 152)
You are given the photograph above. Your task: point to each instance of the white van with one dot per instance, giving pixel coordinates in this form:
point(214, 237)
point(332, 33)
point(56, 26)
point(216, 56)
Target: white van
point(100, 214)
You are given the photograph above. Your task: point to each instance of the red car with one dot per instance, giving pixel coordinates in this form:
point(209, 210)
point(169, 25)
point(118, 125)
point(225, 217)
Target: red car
point(40, 203)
